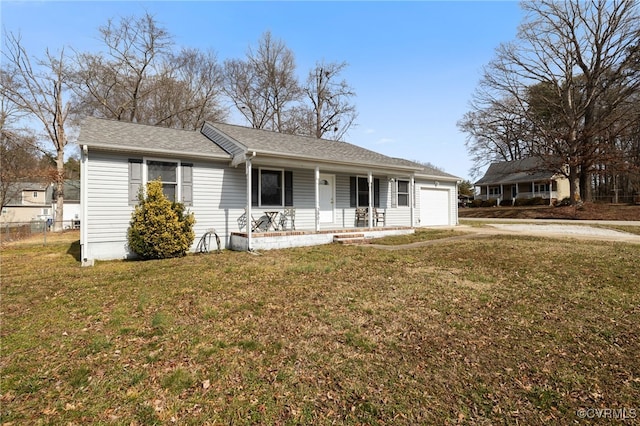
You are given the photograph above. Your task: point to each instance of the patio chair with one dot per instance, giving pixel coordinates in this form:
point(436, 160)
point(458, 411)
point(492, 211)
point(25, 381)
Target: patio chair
point(361, 216)
point(288, 215)
point(379, 216)
point(255, 224)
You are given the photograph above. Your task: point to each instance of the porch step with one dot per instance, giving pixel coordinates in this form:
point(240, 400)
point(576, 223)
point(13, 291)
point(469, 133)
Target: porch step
point(349, 239)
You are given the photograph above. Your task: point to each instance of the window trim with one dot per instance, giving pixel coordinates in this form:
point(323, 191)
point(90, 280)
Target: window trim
point(399, 193)
point(282, 186)
point(138, 177)
point(354, 191)
point(537, 190)
point(145, 174)
point(256, 187)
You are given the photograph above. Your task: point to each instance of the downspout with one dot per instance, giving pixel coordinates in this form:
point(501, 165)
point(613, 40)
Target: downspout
point(370, 215)
point(84, 208)
point(248, 207)
point(317, 208)
point(456, 198)
point(412, 204)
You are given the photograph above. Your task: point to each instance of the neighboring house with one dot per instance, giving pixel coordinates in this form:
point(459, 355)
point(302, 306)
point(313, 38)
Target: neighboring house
point(510, 180)
point(216, 170)
point(71, 211)
point(29, 201)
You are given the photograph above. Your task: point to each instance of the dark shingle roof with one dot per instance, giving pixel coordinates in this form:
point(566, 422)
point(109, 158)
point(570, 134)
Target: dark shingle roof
point(525, 170)
point(306, 147)
point(125, 136)
point(133, 137)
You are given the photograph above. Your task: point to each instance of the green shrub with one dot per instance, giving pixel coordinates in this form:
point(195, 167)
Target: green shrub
point(159, 228)
point(476, 203)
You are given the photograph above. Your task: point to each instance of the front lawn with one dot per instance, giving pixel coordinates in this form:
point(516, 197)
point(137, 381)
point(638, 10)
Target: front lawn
point(515, 330)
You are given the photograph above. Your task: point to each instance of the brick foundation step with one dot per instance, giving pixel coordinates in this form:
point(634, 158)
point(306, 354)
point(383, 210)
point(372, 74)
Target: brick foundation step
point(349, 239)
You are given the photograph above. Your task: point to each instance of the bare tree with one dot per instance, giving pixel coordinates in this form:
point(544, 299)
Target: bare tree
point(39, 92)
point(264, 85)
point(139, 78)
point(495, 133)
point(571, 60)
point(332, 111)
point(187, 91)
point(112, 83)
point(19, 160)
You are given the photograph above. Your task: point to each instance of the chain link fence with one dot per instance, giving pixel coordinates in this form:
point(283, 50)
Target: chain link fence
point(16, 231)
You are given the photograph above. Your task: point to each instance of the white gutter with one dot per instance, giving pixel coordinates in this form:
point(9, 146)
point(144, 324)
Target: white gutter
point(166, 152)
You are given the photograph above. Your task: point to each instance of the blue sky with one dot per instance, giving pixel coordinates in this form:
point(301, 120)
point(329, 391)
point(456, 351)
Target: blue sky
point(414, 65)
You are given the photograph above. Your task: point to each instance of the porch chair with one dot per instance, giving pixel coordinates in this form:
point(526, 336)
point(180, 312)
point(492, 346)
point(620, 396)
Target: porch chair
point(288, 215)
point(379, 216)
point(361, 216)
point(255, 224)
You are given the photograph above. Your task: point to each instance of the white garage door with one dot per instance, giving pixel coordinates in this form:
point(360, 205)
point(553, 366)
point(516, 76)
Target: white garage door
point(434, 207)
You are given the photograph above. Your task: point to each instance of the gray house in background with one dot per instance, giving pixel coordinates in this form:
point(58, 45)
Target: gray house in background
point(225, 174)
point(526, 178)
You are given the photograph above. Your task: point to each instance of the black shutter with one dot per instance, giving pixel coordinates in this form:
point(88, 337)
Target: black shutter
point(135, 180)
point(255, 190)
point(376, 192)
point(353, 192)
point(288, 188)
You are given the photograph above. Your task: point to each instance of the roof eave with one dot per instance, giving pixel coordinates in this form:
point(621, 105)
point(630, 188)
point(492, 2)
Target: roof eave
point(165, 152)
point(280, 155)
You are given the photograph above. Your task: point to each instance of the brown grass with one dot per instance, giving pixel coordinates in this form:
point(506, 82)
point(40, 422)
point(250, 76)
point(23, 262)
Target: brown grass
point(589, 211)
point(505, 330)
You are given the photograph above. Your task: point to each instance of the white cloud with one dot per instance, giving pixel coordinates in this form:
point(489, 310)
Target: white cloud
point(385, 141)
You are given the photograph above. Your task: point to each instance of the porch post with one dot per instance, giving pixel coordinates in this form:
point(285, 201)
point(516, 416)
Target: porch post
point(501, 197)
point(317, 187)
point(412, 204)
point(533, 189)
point(248, 208)
point(370, 215)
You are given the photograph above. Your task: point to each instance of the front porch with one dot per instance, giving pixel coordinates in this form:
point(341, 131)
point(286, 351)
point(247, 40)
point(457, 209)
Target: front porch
point(239, 241)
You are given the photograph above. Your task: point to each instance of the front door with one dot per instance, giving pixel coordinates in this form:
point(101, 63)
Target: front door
point(326, 188)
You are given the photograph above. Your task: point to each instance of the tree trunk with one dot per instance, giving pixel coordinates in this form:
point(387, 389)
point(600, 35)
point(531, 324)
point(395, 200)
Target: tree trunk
point(586, 194)
point(573, 184)
point(59, 185)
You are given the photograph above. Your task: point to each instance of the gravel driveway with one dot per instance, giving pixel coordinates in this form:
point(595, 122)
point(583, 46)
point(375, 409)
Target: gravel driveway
point(561, 230)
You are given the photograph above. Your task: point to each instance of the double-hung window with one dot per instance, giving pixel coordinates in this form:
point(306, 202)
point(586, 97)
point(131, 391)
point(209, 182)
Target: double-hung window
point(494, 190)
point(167, 173)
point(359, 191)
point(176, 178)
point(403, 192)
point(271, 187)
point(541, 187)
